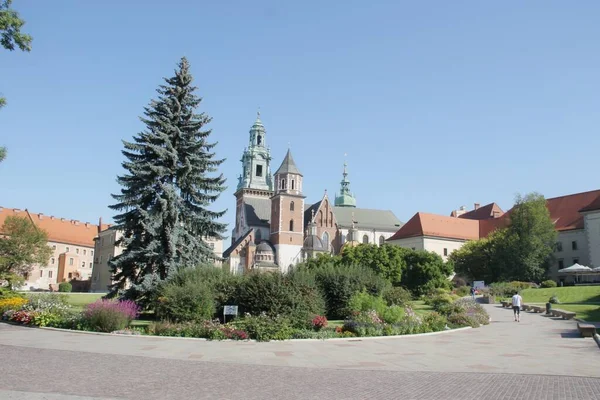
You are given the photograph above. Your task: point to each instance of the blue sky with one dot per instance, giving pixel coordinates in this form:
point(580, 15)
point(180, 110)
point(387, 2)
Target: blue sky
point(438, 104)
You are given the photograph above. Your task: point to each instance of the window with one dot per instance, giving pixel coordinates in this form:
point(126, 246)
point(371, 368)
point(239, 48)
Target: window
point(49, 274)
point(291, 225)
point(292, 204)
point(52, 260)
point(561, 264)
point(83, 264)
point(92, 252)
point(576, 260)
point(211, 245)
point(259, 140)
point(41, 273)
point(70, 261)
point(558, 246)
point(70, 275)
point(320, 218)
point(331, 218)
point(365, 239)
point(53, 247)
point(381, 240)
point(84, 252)
point(574, 244)
point(91, 265)
point(283, 183)
point(67, 249)
point(326, 240)
point(76, 251)
point(259, 170)
point(293, 182)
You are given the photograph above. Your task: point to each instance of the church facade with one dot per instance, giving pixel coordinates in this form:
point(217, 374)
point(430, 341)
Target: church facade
point(276, 228)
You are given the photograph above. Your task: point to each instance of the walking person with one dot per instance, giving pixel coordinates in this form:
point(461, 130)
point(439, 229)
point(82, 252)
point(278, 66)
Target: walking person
point(517, 300)
point(472, 292)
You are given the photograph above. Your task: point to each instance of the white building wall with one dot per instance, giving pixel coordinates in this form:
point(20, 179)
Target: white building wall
point(443, 247)
point(568, 255)
point(372, 236)
point(592, 232)
point(105, 250)
point(415, 243)
point(288, 254)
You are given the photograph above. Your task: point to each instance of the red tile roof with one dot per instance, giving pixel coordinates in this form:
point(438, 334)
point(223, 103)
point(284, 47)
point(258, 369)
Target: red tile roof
point(423, 224)
point(593, 206)
point(59, 229)
point(491, 210)
point(564, 210)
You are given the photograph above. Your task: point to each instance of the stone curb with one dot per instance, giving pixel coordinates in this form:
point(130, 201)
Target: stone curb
point(351, 339)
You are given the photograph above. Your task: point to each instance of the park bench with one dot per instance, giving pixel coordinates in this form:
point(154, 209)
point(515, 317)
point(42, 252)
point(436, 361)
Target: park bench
point(586, 330)
point(505, 304)
point(537, 309)
point(562, 313)
point(525, 307)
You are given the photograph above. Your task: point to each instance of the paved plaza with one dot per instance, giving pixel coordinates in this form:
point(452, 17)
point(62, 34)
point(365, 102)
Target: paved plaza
point(539, 358)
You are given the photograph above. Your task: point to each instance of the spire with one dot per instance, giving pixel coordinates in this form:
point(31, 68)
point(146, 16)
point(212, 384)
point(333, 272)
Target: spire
point(288, 166)
point(345, 199)
point(256, 170)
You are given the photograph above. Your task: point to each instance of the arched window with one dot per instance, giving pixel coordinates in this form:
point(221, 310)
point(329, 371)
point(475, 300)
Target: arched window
point(320, 217)
point(326, 240)
point(283, 183)
point(291, 225)
point(331, 218)
point(259, 140)
point(365, 239)
point(292, 204)
point(381, 240)
point(293, 184)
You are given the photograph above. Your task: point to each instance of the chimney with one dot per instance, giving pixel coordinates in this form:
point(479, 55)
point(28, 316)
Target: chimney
point(87, 224)
point(41, 216)
point(16, 210)
point(62, 219)
point(476, 206)
point(52, 217)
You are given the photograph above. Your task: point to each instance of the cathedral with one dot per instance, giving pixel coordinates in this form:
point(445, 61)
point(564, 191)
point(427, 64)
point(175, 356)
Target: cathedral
point(276, 228)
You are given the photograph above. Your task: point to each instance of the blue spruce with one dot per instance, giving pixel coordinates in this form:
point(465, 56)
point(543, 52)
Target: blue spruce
point(165, 193)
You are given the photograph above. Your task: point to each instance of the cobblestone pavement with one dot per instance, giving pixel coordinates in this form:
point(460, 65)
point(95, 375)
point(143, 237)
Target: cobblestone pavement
point(538, 358)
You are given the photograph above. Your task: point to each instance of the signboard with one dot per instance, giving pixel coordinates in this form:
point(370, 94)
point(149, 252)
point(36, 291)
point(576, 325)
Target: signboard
point(230, 310)
point(478, 284)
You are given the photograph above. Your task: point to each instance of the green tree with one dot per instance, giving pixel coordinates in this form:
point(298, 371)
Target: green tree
point(388, 261)
point(480, 259)
point(425, 271)
point(2, 153)
point(529, 244)
point(166, 191)
point(23, 246)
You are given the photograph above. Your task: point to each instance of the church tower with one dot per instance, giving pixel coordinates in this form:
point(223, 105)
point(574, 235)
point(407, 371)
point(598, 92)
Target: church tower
point(287, 214)
point(255, 184)
point(345, 199)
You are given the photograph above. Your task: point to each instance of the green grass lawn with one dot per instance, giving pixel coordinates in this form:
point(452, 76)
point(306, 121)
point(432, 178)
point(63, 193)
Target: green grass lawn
point(420, 308)
point(77, 300)
point(588, 312)
point(570, 294)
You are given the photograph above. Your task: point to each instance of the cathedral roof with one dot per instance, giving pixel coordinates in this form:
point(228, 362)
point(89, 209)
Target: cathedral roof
point(381, 220)
point(265, 247)
point(312, 242)
point(288, 166)
point(258, 211)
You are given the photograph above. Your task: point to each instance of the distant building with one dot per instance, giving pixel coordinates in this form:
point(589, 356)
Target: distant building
point(277, 228)
point(106, 249)
point(72, 243)
point(576, 218)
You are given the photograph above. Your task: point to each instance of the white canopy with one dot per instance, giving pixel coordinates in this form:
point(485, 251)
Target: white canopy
point(597, 269)
point(574, 269)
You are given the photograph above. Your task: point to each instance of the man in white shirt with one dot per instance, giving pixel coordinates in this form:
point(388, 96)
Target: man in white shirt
point(516, 303)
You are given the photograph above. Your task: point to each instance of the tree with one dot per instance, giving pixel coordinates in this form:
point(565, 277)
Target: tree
point(480, 259)
point(166, 191)
point(388, 261)
point(2, 153)
point(529, 244)
point(425, 271)
point(24, 245)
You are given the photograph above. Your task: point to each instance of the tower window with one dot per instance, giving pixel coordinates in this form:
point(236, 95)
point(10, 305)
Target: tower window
point(291, 225)
point(259, 170)
point(283, 183)
point(365, 239)
point(259, 140)
point(292, 204)
point(293, 184)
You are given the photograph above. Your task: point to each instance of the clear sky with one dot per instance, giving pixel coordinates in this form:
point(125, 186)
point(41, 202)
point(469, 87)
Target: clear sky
point(438, 104)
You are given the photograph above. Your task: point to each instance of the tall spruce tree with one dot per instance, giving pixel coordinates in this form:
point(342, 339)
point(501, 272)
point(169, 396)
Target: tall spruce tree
point(166, 191)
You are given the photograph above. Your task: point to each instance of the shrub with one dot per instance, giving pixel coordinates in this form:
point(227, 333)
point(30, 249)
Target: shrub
point(467, 312)
point(397, 296)
point(65, 287)
point(364, 302)
point(392, 314)
point(434, 322)
point(548, 284)
point(264, 328)
point(554, 299)
point(339, 283)
point(189, 301)
point(6, 293)
point(110, 315)
point(462, 291)
point(319, 322)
